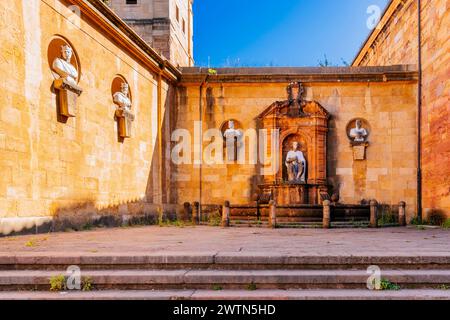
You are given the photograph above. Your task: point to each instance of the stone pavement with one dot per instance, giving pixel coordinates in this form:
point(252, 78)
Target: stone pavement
point(212, 240)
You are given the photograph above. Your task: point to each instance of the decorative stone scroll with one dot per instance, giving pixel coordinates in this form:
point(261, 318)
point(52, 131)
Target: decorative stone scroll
point(123, 112)
point(358, 131)
point(65, 83)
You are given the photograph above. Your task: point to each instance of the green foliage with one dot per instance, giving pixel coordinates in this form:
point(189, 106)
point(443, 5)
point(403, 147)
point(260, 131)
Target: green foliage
point(58, 283)
point(251, 287)
point(175, 223)
point(88, 226)
point(214, 219)
point(416, 221)
point(387, 219)
point(443, 287)
point(217, 287)
point(87, 284)
point(388, 285)
point(31, 243)
point(446, 224)
point(212, 71)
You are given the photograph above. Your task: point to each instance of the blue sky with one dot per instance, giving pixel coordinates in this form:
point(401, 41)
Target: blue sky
point(281, 32)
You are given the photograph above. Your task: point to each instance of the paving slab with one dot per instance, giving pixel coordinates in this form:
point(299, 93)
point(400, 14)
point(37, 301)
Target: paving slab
point(225, 295)
point(201, 244)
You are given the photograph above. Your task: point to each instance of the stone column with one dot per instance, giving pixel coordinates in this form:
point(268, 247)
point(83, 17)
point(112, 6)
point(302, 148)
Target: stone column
point(272, 214)
point(196, 213)
point(226, 214)
point(373, 214)
point(326, 214)
point(402, 214)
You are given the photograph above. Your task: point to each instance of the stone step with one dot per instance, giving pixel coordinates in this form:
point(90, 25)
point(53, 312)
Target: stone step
point(226, 279)
point(217, 261)
point(224, 295)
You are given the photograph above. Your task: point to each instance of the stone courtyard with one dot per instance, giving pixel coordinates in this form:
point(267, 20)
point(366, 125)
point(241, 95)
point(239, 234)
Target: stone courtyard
point(209, 263)
point(212, 241)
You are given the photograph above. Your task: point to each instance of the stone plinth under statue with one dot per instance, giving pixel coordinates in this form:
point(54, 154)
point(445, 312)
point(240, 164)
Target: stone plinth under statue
point(303, 127)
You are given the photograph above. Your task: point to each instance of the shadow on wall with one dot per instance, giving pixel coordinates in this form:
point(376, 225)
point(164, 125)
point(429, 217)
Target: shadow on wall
point(157, 205)
point(86, 215)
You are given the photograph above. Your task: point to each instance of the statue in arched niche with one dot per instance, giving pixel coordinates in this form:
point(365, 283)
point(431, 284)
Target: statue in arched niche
point(232, 137)
point(63, 67)
point(66, 77)
point(123, 112)
point(296, 164)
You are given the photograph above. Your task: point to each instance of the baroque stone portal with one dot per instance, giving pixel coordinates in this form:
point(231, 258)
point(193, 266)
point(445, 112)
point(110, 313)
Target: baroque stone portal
point(66, 82)
point(303, 127)
point(123, 112)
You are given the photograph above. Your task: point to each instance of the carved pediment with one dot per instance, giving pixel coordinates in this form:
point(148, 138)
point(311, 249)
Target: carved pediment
point(283, 109)
point(296, 106)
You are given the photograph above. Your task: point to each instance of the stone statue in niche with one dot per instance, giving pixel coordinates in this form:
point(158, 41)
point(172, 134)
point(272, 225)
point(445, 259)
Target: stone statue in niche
point(63, 67)
point(296, 165)
point(358, 133)
point(66, 82)
point(232, 137)
point(123, 112)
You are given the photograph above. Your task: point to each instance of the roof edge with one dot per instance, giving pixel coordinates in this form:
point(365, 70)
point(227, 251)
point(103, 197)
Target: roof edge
point(108, 20)
point(385, 18)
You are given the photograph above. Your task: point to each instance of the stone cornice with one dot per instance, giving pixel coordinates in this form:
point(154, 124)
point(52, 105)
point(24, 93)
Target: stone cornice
point(123, 34)
point(281, 75)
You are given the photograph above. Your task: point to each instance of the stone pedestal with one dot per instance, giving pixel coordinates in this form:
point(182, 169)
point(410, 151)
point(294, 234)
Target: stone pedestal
point(226, 211)
point(326, 214)
point(292, 193)
point(67, 95)
point(125, 123)
point(359, 151)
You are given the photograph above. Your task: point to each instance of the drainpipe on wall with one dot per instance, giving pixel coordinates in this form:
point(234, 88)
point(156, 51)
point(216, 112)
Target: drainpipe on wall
point(159, 121)
point(419, 112)
point(200, 113)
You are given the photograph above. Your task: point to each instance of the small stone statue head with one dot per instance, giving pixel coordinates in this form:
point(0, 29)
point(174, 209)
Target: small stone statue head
point(66, 52)
point(295, 145)
point(231, 124)
point(124, 88)
point(358, 124)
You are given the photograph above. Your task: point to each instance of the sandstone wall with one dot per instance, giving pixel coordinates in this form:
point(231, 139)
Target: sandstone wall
point(388, 174)
point(397, 43)
point(76, 169)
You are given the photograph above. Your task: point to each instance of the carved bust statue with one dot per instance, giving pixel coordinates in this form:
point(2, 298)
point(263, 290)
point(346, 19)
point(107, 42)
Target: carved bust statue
point(62, 66)
point(232, 136)
point(232, 132)
point(296, 164)
point(123, 112)
point(359, 134)
point(121, 98)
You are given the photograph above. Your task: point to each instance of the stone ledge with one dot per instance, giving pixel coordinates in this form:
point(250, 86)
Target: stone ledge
point(302, 74)
point(231, 295)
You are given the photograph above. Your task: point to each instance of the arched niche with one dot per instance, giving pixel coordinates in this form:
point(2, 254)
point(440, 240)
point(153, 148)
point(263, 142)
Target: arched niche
point(223, 128)
point(286, 146)
point(54, 51)
point(116, 86)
